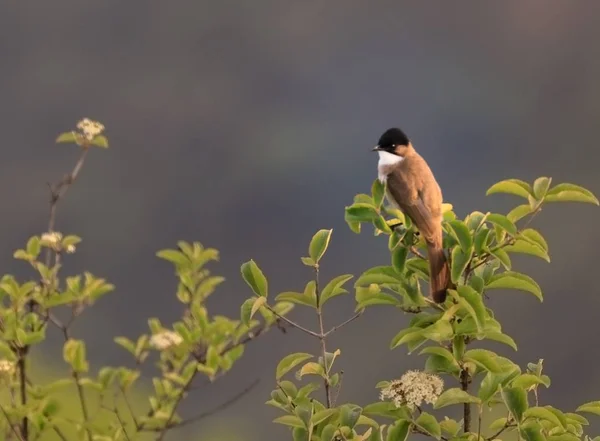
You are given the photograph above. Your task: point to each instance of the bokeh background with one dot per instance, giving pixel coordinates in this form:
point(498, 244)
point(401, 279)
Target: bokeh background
point(246, 126)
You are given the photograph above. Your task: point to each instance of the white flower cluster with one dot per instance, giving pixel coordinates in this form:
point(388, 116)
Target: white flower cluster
point(413, 388)
point(6, 367)
point(89, 128)
point(165, 340)
point(53, 239)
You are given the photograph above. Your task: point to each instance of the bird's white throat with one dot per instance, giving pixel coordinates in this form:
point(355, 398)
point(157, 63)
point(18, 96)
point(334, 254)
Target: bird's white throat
point(386, 161)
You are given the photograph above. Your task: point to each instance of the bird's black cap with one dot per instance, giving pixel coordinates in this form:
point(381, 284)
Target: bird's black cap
point(392, 137)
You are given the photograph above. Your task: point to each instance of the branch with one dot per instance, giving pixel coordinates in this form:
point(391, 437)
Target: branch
point(59, 190)
point(464, 382)
point(178, 400)
point(11, 425)
point(322, 338)
point(23, 389)
point(219, 408)
point(80, 391)
point(335, 328)
point(294, 324)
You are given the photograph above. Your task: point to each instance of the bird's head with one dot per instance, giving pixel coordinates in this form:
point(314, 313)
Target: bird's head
point(393, 141)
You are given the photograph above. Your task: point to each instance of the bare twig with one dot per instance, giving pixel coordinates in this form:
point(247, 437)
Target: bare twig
point(129, 408)
point(178, 400)
point(417, 253)
point(507, 425)
point(294, 324)
point(335, 328)
point(11, 425)
point(479, 422)
point(219, 408)
point(60, 433)
point(322, 338)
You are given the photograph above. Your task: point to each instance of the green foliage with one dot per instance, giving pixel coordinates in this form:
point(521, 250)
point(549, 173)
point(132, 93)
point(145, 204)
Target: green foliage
point(479, 248)
point(456, 374)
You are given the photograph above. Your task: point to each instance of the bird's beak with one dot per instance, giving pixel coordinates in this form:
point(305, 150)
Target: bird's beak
point(376, 148)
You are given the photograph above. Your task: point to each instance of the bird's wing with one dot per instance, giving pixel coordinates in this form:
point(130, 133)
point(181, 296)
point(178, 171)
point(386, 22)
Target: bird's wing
point(412, 205)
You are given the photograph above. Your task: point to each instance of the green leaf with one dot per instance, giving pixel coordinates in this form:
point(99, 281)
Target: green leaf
point(312, 368)
point(501, 338)
point(563, 437)
point(472, 302)
point(442, 352)
point(361, 212)
point(519, 212)
point(100, 141)
point(318, 245)
point(543, 414)
point(515, 399)
point(349, 415)
point(399, 431)
point(289, 420)
point(460, 260)
point(514, 280)
point(379, 275)
point(534, 237)
point(322, 415)
point(399, 258)
point(570, 193)
point(511, 186)
point(503, 222)
point(429, 424)
point(405, 336)
point(540, 187)
point(67, 137)
point(334, 288)
point(502, 257)
point(258, 302)
point(462, 234)
point(307, 261)
point(328, 432)
point(439, 331)
point(126, 343)
point(591, 407)
point(255, 278)
point(450, 426)
point(289, 362)
point(245, 311)
point(532, 431)
point(378, 192)
point(484, 359)
point(524, 246)
point(174, 256)
point(454, 396)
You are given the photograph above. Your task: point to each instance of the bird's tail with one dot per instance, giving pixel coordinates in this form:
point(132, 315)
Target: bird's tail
point(439, 272)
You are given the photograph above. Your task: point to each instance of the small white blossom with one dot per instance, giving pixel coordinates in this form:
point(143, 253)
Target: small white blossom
point(413, 388)
point(165, 340)
point(70, 249)
point(89, 128)
point(6, 367)
point(52, 240)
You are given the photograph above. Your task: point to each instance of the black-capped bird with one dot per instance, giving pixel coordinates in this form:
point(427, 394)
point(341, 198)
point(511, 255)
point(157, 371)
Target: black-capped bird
point(412, 188)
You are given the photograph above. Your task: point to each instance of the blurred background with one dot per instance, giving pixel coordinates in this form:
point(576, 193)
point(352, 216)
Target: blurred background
point(247, 126)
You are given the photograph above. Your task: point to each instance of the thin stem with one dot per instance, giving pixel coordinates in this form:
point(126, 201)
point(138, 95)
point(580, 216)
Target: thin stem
point(294, 324)
point(335, 328)
point(21, 366)
point(80, 391)
point(479, 422)
point(129, 408)
point(507, 425)
point(11, 425)
point(220, 407)
point(322, 338)
point(178, 400)
point(464, 382)
point(60, 434)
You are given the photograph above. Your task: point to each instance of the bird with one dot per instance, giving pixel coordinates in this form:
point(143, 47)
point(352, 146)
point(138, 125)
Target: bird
point(412, 188)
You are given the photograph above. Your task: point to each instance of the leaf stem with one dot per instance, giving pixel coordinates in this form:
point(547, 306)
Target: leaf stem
point(322, 337)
